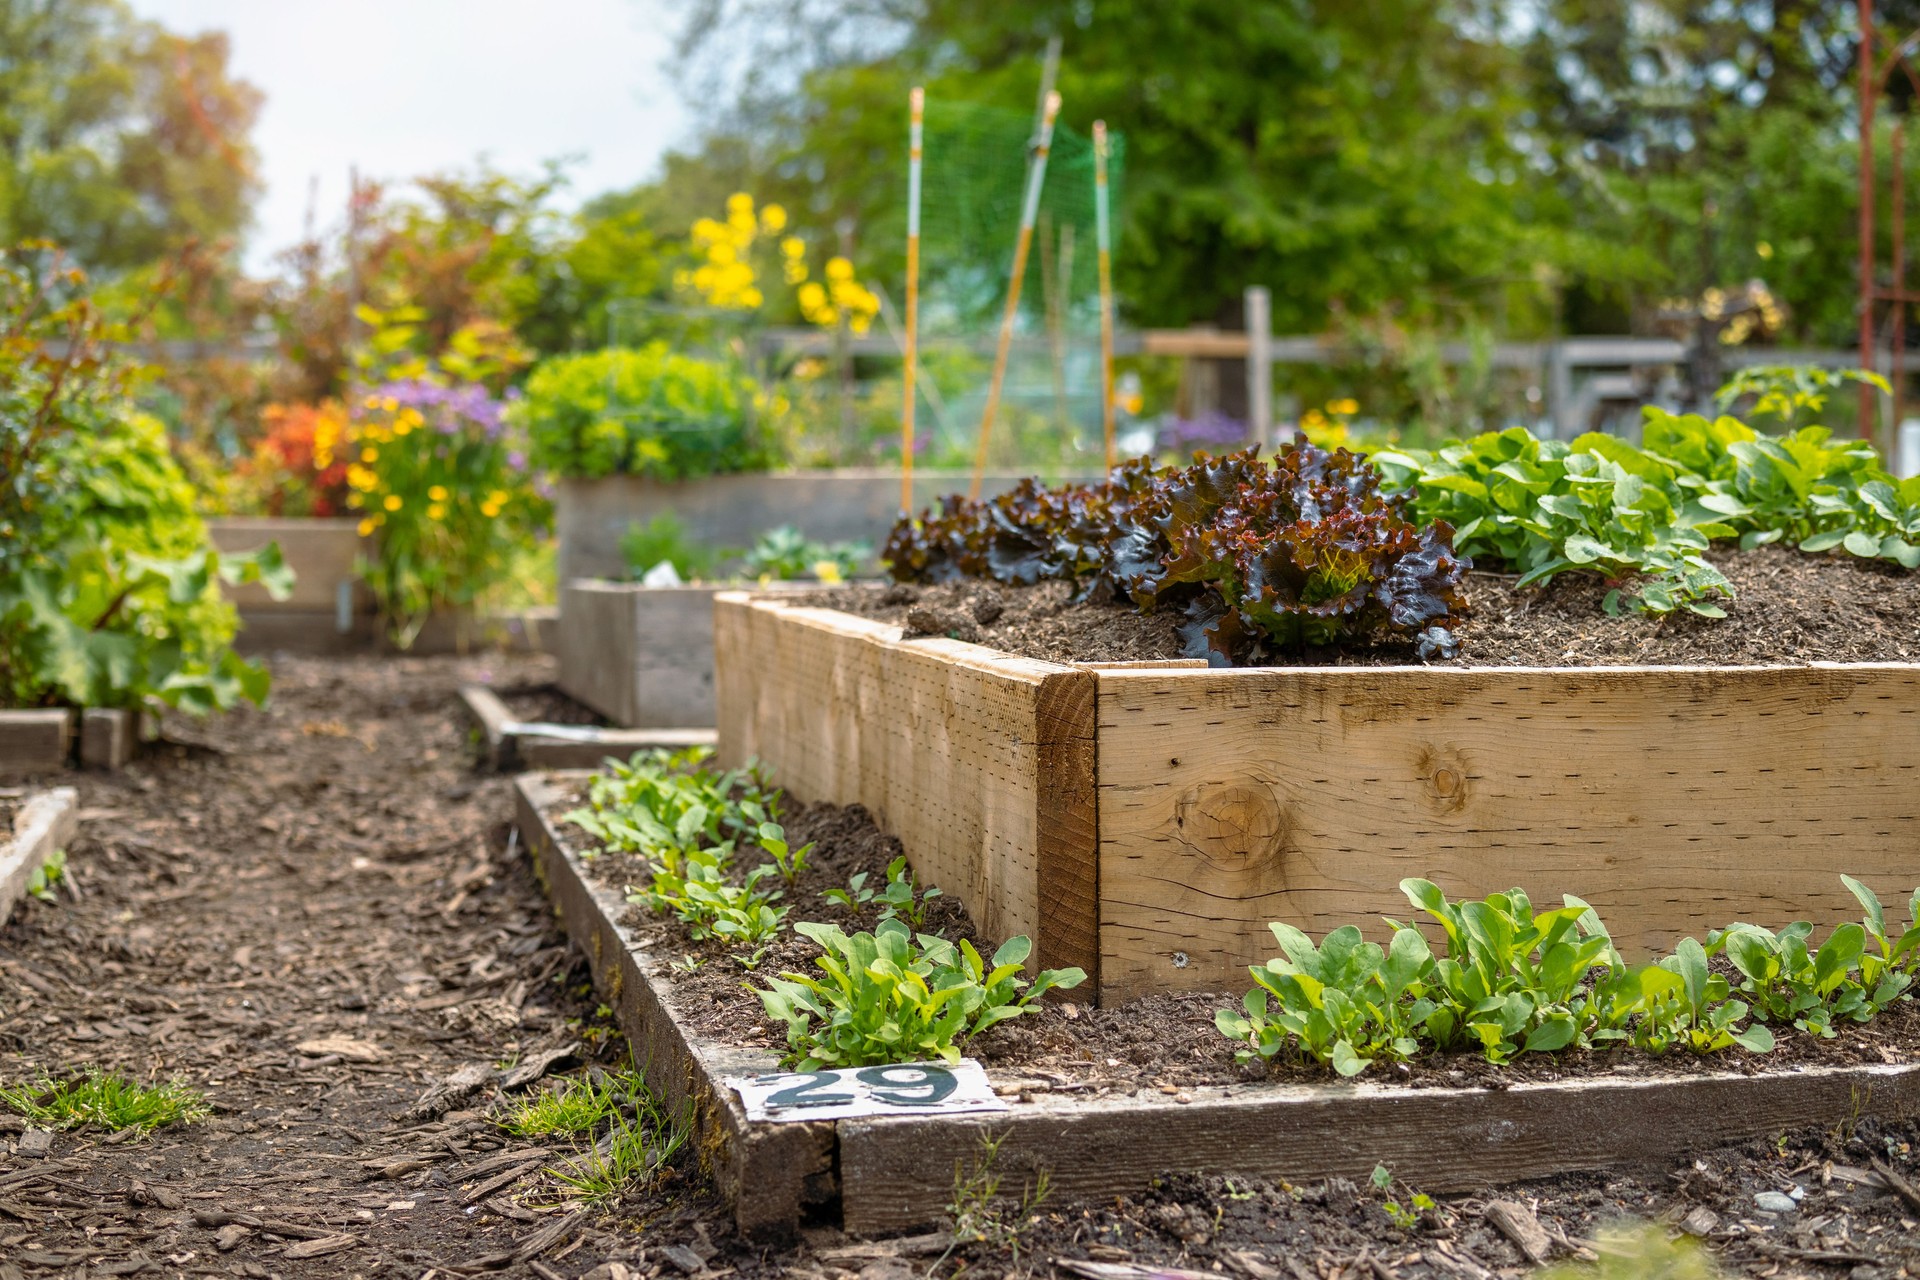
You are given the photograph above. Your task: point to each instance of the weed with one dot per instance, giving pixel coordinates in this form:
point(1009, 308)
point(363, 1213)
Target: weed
point(45, 878)
point(108, 1100)
point(575, 1106)
point(979, 1214)
point(1406, 1216)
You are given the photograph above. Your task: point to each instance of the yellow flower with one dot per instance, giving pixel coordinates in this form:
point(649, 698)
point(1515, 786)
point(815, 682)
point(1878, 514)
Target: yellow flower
point(436, 512)
point(498, 497)
point(827, 571)
point(367, 526)
point(392, 502)
point(739, 202)
point(369, 454)
point(438, 493)
point(773, 219)
point(358, 477)
point(839, 269)
point(793, 246)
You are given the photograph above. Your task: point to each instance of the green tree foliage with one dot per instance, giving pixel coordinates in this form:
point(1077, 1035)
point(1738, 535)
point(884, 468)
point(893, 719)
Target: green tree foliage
point(118, 139)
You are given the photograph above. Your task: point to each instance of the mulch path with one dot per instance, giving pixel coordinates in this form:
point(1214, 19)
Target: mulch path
point(1790, 608)
point(333, 867)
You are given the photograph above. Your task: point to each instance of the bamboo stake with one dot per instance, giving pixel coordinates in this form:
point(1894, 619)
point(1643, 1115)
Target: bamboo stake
point(1029, 213)
point(1104, 230)
point(917, 104)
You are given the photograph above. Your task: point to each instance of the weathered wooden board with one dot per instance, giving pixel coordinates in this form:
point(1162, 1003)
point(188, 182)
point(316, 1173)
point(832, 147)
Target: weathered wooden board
point(982, 764)
point(507, 743)
point(37, 741)
point(108, 737)
point(897, 1173)
point(45, 823)
point(641, 656)
point(1673, 799)
point(771, 1174)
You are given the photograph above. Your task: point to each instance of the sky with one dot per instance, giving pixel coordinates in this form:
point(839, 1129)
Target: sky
point(405, 87)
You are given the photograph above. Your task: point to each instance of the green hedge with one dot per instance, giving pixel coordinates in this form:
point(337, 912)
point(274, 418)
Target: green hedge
point(644, 411)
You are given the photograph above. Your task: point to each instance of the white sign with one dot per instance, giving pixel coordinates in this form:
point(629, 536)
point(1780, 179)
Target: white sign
point(906, 1088)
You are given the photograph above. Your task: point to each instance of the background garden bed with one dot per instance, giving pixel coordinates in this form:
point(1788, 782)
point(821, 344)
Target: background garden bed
point(32, 829)
point(1146, 823)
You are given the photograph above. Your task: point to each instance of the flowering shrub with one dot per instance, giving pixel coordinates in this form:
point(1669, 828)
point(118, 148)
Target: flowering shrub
point(441, 478)
point(645, 411)
point(299, 467)
point(728, 278)
point(1259, 557)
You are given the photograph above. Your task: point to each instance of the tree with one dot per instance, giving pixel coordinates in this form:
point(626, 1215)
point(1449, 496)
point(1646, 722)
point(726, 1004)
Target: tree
point(118, 139)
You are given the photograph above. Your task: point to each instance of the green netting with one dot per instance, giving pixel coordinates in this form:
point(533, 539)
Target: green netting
point(973, 176)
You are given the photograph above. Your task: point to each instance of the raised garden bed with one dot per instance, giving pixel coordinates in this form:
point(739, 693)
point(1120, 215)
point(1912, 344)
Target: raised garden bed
point(329, 609)
point(541, 739)
point(1146, 820)
point(33, 826)
point(1097, 1138)
point(46, 740)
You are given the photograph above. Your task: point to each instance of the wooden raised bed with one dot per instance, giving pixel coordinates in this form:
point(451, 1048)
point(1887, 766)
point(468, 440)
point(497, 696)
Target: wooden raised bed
point(329, 609)
point(44, 823)
point(508, 743)
point(1147, 822)
point(892, 1174)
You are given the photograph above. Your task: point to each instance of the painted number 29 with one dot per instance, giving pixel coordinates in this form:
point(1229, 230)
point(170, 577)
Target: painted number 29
point(908, 1086)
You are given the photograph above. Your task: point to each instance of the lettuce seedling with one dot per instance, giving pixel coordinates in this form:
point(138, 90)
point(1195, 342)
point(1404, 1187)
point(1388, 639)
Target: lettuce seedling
point(888, 996)
point(1787, 982)
point(1343, 1002)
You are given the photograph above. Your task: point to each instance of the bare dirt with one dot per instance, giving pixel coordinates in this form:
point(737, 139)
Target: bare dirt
point(1790, 608)
point(334, 868)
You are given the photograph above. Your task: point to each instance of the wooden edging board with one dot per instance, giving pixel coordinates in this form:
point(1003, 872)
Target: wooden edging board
point(44, 740)
point(513, 744)
point(896, 1174)
point(1199, 805)
point(45, 822)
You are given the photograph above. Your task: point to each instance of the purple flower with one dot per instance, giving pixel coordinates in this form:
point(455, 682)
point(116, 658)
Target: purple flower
point(1211, 430)
point(517, 460)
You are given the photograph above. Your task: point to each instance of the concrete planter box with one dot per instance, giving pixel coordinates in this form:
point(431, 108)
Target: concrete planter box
point(733, 510)
point(1146, 821)
point(642, 656)
point(329, 611)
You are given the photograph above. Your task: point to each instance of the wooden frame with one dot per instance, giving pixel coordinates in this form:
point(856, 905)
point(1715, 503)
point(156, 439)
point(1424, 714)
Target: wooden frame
point(44, 823)
point(893, 1174)
point(1173, 811)
point(511, 744)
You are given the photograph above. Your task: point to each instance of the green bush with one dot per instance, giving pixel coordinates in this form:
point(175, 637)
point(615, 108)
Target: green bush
point(109, 589)
point(644, 411)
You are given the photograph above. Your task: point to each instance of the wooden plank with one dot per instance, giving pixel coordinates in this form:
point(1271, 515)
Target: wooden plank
point(596, 642)
point(897, 1173)
point(1673, 799)
point(538, 752)
point(492, 717)
point(46, 822)
point(772, 1175)
point(37, 741)
point(982, 764)
point(108, 737)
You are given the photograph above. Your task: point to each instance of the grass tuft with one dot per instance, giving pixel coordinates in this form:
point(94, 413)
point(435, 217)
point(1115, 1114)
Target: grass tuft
point(623, 1136)
point(577, 1106)
point(106, 1099)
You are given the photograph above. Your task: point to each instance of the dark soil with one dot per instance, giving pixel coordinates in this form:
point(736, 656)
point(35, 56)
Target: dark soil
point(546, 704)
point(1790, 608)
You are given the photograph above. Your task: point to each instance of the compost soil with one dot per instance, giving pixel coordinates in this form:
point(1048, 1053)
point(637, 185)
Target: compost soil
point(1789, 607)
point(334, 868)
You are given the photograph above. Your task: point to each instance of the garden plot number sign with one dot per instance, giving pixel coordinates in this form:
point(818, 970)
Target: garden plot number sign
point(906, 1088)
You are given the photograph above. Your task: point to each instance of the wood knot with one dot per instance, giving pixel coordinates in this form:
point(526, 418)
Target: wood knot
point(1444, 773)
point(1235, 826)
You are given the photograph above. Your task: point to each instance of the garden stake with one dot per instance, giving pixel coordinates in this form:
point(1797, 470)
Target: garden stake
point(1029, 213)
point(917, 101)
point(1104, 232)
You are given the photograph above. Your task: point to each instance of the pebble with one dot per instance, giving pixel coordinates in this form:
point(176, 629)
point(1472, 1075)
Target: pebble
point(1775, 1202)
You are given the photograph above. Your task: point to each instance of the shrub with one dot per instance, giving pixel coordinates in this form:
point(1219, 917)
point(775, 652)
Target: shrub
point(645, 411)
point(1260, 557)
point(109, 589)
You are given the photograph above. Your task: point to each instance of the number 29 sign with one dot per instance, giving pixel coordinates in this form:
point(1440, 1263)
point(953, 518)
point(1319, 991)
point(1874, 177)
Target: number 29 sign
point(908, 1088)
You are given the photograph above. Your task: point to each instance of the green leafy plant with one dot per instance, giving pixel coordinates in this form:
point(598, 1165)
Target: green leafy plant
point(889, 997)
point(572, 1106)
point(105, 1099)
point(789, 861)
point(45, 878)
point(109, 587)
point(663, 540)
point(1784, 391)
point(1683, 1002)
point(901, 898)
point(1342, 1002)
point(645, 411)
point(785, 553)
point(1406, 1216)
point(693, 885)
